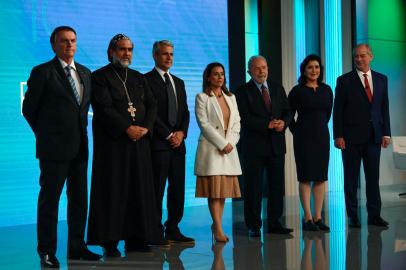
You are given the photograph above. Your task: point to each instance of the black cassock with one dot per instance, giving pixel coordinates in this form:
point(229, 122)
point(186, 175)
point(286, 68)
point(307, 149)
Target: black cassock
point(122, 200)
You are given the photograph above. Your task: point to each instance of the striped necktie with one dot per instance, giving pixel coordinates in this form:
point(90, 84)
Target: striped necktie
point(72, 83)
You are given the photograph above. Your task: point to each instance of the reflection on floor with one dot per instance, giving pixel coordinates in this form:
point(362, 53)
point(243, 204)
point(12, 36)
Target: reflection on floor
point(342, 248)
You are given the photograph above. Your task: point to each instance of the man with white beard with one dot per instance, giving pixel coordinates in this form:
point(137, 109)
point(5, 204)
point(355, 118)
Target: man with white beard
point(122, 202)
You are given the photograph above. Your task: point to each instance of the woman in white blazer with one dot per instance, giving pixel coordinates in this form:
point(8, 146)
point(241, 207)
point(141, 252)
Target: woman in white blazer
point(217, 164)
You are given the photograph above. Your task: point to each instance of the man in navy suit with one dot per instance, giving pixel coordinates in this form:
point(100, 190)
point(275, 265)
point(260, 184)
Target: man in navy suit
point(265, 114)
point(55, 106)
point(168, 141)
point(361, 127)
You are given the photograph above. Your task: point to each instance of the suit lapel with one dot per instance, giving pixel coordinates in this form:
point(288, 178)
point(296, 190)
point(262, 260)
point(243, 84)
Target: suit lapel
point(272, 95)
point(359, 86)
point(158, 79)
point(376, 86)
point(62, 77)
point(257, 97)
point(231, 109)
point(217, 109)
point(84, 81)
point(178, 92)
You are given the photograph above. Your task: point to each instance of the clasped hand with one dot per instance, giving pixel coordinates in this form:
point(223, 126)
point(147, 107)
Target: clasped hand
point(176, 139)
point(136, 132)
point(277, 124)
point(227, 149)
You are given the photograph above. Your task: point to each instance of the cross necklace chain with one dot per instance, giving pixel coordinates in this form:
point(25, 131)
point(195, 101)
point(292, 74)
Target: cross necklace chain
point(131, 108)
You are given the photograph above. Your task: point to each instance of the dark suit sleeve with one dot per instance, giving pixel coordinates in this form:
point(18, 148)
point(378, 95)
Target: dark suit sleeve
point(150, 108)
point(184, 125)
point(385, 110)
point(249, 120)
point(33, 96)
point(338, 109)
point(102, 103)
point(161, 129)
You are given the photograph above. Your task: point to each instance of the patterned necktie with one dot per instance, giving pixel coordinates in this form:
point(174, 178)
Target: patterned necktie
point(172, 111)
point(266, 97)
point(72, 83)
point(367, 88)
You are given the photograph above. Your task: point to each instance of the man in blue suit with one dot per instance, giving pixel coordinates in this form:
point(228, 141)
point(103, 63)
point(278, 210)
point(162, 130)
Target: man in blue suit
point(361, 126)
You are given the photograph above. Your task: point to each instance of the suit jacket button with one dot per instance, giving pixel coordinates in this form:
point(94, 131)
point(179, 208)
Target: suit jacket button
point(217, 127)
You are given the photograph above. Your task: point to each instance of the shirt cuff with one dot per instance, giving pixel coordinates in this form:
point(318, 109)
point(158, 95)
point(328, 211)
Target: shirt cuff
point(169, 136)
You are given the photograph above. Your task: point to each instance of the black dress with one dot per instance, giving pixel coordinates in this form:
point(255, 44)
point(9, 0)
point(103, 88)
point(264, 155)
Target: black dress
point(311, 138)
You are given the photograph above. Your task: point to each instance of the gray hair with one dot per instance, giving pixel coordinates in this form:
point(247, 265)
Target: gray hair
point(253, 58)
point(159, 43)
point(362, 45)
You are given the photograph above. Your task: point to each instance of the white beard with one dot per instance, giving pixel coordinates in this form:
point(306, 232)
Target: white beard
point(121, 63)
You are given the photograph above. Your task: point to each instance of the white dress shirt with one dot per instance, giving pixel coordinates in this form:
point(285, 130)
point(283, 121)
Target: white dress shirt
point(369, 76)
point(75, 76)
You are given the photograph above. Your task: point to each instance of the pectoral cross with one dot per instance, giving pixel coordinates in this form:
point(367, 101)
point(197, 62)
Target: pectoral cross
point(131, 109)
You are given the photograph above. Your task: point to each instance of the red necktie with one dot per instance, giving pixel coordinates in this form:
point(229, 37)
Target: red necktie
point(266, 97)
point(367, 88)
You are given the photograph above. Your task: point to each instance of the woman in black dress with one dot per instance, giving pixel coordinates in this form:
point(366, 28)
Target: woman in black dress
point(313, 102)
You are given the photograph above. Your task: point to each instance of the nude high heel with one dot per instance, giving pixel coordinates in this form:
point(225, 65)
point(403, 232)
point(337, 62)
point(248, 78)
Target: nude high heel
point(215, 238)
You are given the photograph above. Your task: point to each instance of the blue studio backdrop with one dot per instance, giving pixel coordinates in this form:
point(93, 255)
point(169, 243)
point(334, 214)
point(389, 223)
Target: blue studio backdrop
point(198, 30)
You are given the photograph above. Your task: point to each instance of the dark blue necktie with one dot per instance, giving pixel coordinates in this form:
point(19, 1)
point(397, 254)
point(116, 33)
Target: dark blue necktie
point(172, 111)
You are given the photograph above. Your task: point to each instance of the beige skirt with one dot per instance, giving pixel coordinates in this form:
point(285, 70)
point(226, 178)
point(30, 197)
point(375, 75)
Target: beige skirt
point(217, 187)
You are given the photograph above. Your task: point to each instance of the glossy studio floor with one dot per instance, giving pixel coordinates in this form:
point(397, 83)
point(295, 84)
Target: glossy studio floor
point(342, 248)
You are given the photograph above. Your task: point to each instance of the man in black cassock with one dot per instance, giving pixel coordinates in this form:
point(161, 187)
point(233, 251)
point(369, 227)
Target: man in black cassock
point(122, 203)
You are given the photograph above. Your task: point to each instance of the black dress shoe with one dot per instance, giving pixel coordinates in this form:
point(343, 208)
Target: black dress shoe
point(112, 252)
point(322, 227)
point(138, 247)
point(49, 261)
point(85, 254)
point(309, 226)
point(378, 221)
point(254, 233)
point(354, 223)
point(161, 243)
point(178, 237)
point(279, 229)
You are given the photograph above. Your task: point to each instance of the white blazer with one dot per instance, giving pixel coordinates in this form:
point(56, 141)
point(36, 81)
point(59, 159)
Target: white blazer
point(212, 137)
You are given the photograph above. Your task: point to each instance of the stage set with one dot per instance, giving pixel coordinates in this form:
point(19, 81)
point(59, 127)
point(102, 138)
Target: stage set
point(205, 31)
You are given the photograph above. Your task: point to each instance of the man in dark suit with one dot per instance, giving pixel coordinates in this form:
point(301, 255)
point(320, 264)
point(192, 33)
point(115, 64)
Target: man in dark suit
point(361, 126)
point(168, 146)
point(265, 114)
point(55, 107)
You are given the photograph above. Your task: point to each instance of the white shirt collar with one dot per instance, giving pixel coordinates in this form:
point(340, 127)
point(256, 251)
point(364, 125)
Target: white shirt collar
point(259, 84)
point(161, 72)
point(361, 73)
point(64, 64)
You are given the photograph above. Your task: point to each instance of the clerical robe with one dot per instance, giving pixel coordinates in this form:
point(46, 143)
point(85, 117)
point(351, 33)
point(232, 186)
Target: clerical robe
point(122, 204)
